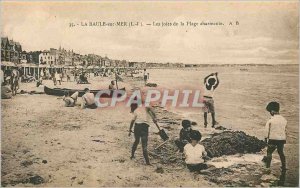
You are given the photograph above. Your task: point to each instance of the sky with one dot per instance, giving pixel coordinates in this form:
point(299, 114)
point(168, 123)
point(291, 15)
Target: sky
point(267, 31)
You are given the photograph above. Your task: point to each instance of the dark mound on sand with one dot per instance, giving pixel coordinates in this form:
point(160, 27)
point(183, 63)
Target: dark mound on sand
point(230, 143)
point(151, 84)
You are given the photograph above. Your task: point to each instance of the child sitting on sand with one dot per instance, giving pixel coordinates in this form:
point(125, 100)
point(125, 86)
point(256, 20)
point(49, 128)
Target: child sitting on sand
point(194, 153)
point(146, 76)
point(184, 135)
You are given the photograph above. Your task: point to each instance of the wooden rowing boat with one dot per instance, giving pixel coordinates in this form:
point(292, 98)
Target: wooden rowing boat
point(62, 91)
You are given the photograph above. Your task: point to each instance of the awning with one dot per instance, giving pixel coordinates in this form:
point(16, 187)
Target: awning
point(8, 64)
point(44, 66)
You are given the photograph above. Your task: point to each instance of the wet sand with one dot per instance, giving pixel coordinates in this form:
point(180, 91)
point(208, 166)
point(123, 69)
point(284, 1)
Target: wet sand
point(74, 147)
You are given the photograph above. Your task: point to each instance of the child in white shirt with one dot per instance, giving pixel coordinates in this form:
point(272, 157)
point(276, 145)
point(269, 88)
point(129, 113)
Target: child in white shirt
point(194, 153)
point(275, 134)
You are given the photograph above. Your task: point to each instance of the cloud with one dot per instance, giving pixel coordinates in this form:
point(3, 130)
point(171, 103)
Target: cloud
point(264, 34)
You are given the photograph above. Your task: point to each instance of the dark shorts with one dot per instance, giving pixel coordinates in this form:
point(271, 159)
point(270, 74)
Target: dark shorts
point(209, 106)
point(141, 128)
point(92, 106)
point(276, 142)
point(145, 77)
point(196, 167)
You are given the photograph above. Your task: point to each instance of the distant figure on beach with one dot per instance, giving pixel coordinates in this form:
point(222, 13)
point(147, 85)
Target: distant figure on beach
point(42, 74)
point(68, 78)
point(6, 92)
point(38, 83)
point(14, 81)
point(53, 78)
point(195, 153)
point(61, 75)
point(275, 134)
point(75, 75)
point(2, 77)
point(88, 100)
point(146, 76)
point(141, 120)
point(47, 73)
point(184, 135)
point(68, 73)
point(211, 82)
point(112, 85)
point(57, 78)
point(70, 101)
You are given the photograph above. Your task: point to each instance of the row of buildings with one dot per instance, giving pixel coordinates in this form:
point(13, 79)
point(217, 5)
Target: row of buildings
point(12, 51)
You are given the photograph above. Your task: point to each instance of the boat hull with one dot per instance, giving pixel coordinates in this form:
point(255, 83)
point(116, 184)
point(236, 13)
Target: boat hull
point(62, 91)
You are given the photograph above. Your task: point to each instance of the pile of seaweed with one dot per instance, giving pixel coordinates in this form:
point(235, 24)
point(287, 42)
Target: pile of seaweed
point(167, 153)
point(230, 143)
point(151, 84)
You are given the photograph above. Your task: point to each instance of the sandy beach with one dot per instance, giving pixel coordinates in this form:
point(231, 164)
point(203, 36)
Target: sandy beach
point(75, 147)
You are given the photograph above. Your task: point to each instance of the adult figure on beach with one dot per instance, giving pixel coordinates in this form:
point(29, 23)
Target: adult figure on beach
point(75, 75)
point(42, 74)
point(146, 76)
point(57, 78)
point(53, 78)
point(68, 73)
point(88, 100)
point(47, 74)
point(141, 119)
point(70, 101)
point(275, 134)
point(211, 82)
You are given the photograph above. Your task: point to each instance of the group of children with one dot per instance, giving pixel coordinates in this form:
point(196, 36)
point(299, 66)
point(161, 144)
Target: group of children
point(188, 142)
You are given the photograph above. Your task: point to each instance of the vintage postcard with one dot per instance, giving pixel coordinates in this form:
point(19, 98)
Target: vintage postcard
point(149, 94)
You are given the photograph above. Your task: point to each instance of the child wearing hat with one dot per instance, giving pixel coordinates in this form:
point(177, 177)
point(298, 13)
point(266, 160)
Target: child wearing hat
point(275, 134)
point(195, 153)
point(211, 82)
point(184, 135)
